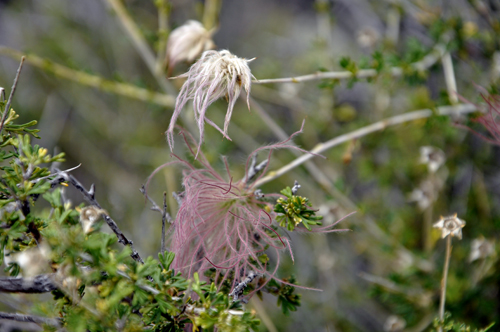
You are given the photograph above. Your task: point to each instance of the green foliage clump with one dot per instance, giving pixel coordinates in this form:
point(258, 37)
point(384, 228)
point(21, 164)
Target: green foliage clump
point(96, 286)
point(295, 210)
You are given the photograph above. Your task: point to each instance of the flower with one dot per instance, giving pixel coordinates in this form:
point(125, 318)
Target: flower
point(187, 42)
point(214, 75)
point(481, 248)
point(433, 157)
point(223, 224)
point(450, 225)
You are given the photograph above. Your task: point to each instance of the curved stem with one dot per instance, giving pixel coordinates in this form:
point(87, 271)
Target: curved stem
point(94, 81)
point(374, 127)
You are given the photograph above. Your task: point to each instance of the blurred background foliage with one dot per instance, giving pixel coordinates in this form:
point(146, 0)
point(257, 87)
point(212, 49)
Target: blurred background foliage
point(382, 275)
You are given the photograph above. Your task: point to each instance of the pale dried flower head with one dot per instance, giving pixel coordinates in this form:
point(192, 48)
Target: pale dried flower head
point(450, 225)
point(481, 248)
point(394, 323)
point(216, 74)
point(432, 157)
point(88, 216)
point(187, 42)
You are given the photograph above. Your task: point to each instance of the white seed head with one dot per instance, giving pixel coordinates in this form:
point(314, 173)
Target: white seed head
point(187, 42)
point(450, 225)
point(432, 157)
point(216, 74)
point(88, 216)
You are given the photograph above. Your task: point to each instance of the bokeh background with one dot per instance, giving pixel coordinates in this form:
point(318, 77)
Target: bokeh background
point(379, 272)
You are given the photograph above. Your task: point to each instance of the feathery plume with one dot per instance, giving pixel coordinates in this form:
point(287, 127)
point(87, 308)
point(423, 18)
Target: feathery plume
point(214, 75)
point(223, 224)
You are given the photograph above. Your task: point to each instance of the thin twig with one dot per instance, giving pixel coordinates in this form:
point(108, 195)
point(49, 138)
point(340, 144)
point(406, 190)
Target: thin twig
point(163, 222)
point(94, 81)
point(56, 173)
point(374, 127)
point(11, 96)
point(30, 319)
point(165, 216)
point(444, 280)
point(427, 62)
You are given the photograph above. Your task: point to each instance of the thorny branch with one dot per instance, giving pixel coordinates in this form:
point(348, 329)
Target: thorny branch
point(30, 319)
point(11, 96)
point(40, 284)
point(89, 195)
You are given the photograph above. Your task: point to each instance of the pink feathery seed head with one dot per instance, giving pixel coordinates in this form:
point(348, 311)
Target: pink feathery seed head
point(223, 224)
point(216, 74)
point(490, 119)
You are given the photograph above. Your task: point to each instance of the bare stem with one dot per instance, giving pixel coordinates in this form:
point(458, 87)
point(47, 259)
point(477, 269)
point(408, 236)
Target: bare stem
point(139, 43)
point(163, 222)
point(421, 65)
point(443, 281)
point(162, 34)
point(11, 96)
point(210, 13)
point(426, 229)
point(449, 77)
point(374, 127)
point(94, 81)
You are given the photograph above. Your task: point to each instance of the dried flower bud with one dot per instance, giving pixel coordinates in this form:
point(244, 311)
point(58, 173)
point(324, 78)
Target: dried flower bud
point(187, 42)
point(481, 248)
point(450, 225)
point(89, 215)
point(216, 74)
point(433, 157)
